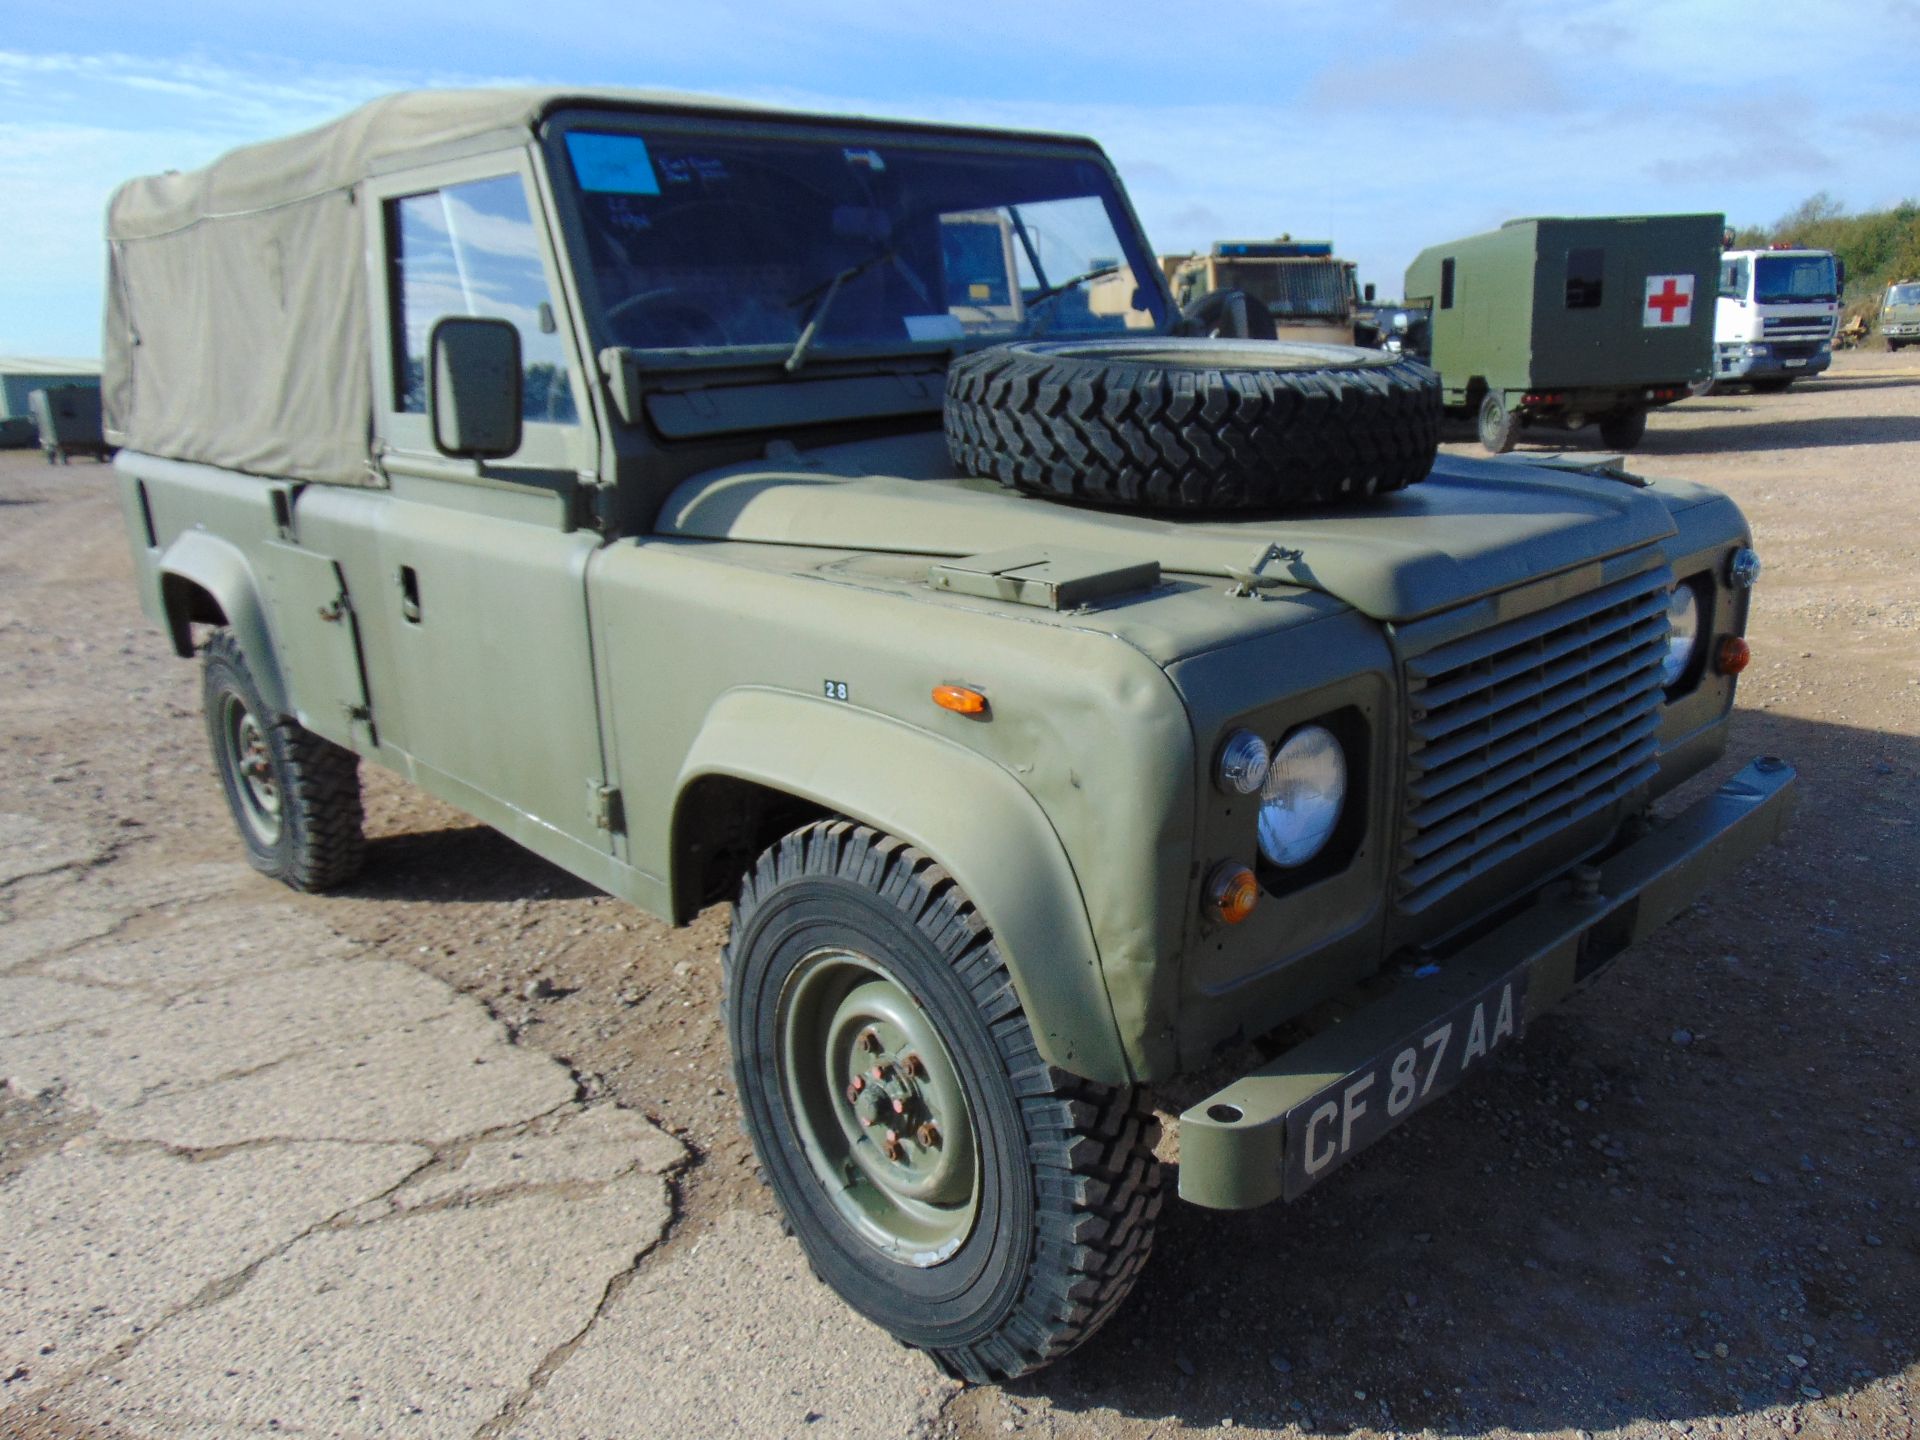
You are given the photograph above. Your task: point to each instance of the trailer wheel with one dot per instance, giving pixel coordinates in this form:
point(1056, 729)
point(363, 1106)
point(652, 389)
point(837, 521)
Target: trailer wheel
point(952, 1186)
point(1169, 423)
point(1623, 429)
point(1499, 426)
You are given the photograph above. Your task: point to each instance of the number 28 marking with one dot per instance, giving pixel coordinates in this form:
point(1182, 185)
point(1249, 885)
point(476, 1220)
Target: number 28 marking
point(836, 689)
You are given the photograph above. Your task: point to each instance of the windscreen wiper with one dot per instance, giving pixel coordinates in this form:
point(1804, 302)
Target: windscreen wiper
point(827, 293)
point(1099, 272)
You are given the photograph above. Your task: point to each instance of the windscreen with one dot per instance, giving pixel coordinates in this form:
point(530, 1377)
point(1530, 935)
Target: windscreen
point(1903, 295)
point(1292, 289)
point(699, 239)
point(1789, 279)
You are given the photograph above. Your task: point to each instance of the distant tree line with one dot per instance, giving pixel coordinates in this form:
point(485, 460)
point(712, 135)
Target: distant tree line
point(1880, 247)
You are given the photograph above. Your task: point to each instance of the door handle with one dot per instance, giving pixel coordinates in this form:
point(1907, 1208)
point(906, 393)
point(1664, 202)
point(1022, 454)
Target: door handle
point(409, 595)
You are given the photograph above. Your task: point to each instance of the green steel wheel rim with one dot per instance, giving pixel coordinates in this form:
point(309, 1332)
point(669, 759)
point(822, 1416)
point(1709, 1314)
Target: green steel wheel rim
point(244, 747)
point(879, 1107)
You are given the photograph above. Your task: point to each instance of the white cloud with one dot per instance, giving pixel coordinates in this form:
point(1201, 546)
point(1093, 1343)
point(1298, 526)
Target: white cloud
point(1385, 125)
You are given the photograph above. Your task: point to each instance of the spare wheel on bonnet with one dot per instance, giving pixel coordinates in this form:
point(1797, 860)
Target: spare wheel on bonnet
point(1165, 423)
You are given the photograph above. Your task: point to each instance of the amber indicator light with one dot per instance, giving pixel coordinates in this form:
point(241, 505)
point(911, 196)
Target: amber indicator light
point(959, 699)
point(1233, 892)
point(1732, 656)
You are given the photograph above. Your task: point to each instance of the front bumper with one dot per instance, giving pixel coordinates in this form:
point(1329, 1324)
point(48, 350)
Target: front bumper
point(1782, 359)
point(1234, 1148)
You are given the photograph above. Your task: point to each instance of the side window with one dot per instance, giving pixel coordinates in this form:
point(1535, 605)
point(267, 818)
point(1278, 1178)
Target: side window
point(1446, 283)
point(472, 250)
point(1584, 268)
point(1733, 279)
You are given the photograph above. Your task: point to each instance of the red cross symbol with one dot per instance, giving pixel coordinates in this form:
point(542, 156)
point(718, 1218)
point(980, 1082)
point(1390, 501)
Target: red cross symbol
point(1668, 300)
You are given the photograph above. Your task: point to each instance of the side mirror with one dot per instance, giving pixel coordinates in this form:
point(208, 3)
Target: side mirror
point(1368, 292)
point(474, 387)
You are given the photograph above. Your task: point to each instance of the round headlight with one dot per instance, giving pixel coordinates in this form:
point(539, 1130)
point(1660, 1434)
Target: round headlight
point(1401, 322)
point(1300, 803)
point(1243, 763)
point(1683, 615)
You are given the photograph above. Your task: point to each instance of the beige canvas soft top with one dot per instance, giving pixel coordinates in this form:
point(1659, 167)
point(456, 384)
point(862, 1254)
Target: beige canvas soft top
point(236, 315)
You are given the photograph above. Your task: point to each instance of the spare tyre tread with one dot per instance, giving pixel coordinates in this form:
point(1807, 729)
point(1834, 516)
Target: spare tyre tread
point(1190, 436)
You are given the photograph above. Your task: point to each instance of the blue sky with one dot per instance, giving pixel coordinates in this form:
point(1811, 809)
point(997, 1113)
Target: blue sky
point(1384, 124)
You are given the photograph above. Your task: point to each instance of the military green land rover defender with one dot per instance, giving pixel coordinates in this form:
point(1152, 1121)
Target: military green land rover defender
point(750, 507)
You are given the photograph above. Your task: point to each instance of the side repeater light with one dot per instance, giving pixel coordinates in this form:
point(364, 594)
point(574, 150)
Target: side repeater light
point(1732, 655)
point(960, 699)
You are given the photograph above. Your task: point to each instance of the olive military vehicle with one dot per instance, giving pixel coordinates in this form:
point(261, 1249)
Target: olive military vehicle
point(682, 489)
point(1308, 291)
point(1774, 318)
point(1900, 314)
point(1565, 321)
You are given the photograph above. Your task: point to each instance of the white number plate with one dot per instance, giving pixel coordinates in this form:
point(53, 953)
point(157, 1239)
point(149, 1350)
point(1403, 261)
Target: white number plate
point(1347, 1116)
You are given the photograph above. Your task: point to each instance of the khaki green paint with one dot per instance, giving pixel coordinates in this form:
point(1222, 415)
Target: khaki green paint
point(566, 642)
point(1471, 529)
point(1509, 328)
point(975, 818)
point(318, 642)
point(1080, 722)
point(1233, 1164)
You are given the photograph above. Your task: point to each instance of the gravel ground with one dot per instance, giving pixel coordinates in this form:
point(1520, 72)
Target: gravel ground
point(1687, 1202)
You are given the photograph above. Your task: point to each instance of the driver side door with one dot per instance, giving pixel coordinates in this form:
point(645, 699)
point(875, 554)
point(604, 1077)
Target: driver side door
point(483, 646)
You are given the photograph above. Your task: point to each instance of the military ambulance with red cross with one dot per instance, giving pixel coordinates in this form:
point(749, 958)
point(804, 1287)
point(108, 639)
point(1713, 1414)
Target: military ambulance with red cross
point(1559, 323)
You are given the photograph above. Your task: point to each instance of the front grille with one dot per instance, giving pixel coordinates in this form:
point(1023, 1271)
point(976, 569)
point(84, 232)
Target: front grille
point(1819, 326)
point(1526, 728)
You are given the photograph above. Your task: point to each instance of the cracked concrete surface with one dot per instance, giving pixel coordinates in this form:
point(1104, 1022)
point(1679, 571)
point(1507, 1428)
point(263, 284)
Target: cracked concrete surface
point(267, 1167)
point(741, 1282)
point(317, 1190)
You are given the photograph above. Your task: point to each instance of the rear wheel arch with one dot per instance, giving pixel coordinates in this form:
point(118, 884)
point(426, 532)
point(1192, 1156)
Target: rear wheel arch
point(972, 817)
point(207, 581)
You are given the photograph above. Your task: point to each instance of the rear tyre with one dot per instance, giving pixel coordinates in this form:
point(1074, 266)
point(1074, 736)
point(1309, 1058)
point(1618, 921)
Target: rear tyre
point(1499, 426)
point(947, 1182)
point(1624, 429)
point(1703, 388)
point(295, 797)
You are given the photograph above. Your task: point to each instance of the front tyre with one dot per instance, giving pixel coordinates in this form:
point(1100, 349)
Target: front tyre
point(946, 1181)
point(295, 797)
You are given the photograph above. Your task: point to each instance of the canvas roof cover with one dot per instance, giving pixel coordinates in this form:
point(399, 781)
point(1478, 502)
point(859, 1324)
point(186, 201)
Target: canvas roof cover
point(236, 316)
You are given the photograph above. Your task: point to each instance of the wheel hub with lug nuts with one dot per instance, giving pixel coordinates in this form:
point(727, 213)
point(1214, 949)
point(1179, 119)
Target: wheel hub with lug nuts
point(889, 1133)
point(253, 766)
point(888, 1104)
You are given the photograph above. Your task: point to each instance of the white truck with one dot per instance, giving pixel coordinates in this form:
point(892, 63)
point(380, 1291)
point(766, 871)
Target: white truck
point(1775, 317)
